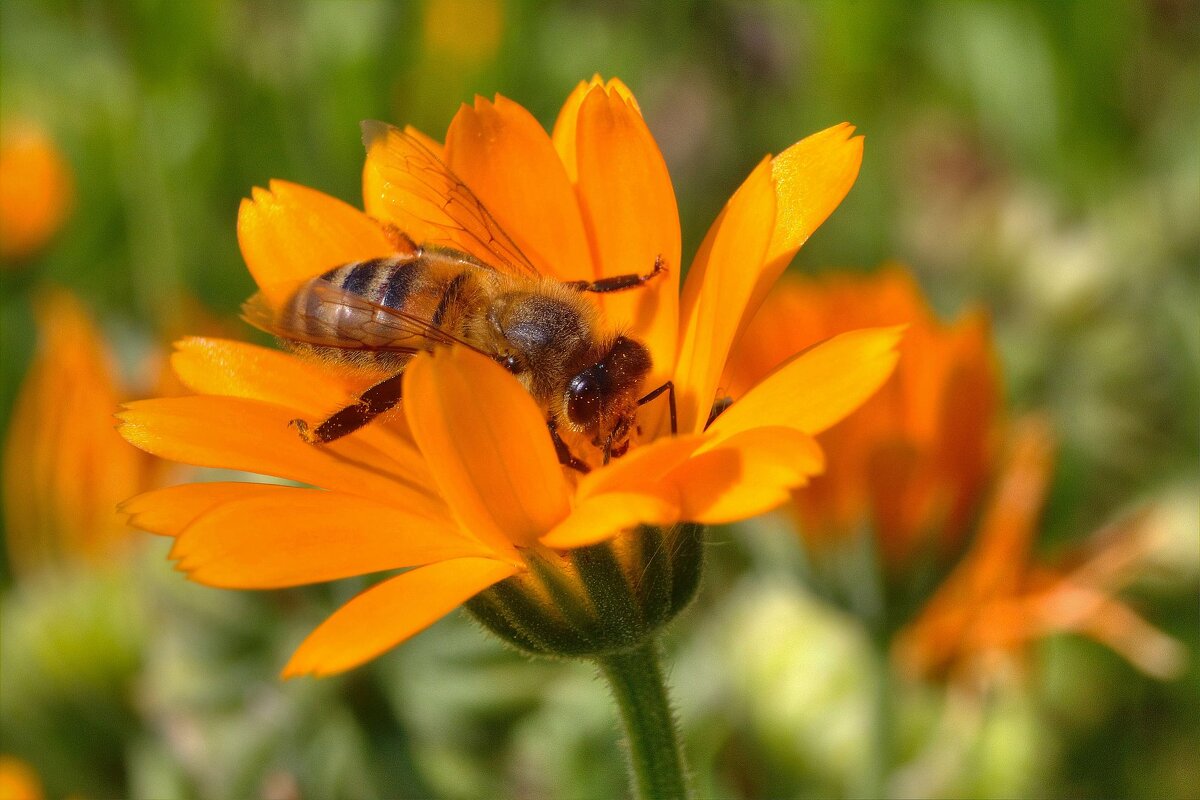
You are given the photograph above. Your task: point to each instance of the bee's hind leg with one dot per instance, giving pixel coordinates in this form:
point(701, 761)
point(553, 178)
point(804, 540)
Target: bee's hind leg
point(618, 283)
point(374, 401)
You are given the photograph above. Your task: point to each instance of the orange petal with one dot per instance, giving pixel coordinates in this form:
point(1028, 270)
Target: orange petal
point(409, 186)
point(999, 557)
point(375, 183)
point(801, 312)
point(812, 177)
point(55, 505)
point(568, 116)
point(900, 496)
point(1109, 621)
point(506, 158)
point(239, 369)
point(314, 390)
point(486, 444)
point(427, 141)
point(390, 612)
point(641, 467)
point(744, 475)
point(166, 512)
point(604, 516)
point(563, 134)
point(291, 233)
point(818, 387)
point(631, 218)
point(313, 536)
point(252, 436)
point(718, 287)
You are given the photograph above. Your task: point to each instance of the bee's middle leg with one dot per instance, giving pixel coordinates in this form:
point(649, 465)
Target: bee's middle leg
point(374, 401)
point(618, 283)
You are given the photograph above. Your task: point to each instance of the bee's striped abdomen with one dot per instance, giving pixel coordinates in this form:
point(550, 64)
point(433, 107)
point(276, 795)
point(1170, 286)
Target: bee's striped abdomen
point(441, 290)
point(398, 285)
point(386, 281)
point(383, 281)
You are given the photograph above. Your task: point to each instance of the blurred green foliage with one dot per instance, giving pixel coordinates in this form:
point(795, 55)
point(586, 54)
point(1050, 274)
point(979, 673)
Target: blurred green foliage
point(1038, 158)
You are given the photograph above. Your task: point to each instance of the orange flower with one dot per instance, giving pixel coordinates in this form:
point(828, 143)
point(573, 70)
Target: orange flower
point(912, 462)
point(997, 601)
point(913, 465)
point(18, 781)
point(65, 468)
point(36, 190)
point(464, 488)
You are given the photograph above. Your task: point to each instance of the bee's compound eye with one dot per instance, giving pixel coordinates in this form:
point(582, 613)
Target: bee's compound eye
point(511, 363)
point(583, 398)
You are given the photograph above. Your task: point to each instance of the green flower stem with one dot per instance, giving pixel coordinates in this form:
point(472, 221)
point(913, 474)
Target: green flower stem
point(879, 762)
point(656, 759)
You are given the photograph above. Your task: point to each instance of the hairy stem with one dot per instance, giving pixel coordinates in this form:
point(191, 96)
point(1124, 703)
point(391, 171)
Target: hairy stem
point(656, 759)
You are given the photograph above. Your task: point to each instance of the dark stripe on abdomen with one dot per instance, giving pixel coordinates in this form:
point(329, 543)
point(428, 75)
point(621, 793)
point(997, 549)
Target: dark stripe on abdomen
point(452, 289)
point(359, 279)
point(400, 284)
point(335, 275)
point(356, 278)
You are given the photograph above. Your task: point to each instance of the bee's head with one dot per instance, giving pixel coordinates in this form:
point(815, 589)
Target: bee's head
point(602, 399)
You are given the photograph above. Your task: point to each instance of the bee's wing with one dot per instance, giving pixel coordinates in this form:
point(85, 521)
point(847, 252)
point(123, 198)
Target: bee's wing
point(431, 204)
point(361, 324)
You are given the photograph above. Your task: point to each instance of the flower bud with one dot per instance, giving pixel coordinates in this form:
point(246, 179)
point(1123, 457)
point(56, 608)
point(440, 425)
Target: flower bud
point(604, 598)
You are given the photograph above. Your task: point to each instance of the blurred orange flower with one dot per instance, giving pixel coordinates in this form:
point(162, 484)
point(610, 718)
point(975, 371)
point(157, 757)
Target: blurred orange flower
point(65, 466)
point(18, 781)
point(914, 464)
point(980, 622)
point(911, 464)
point(464, 487)
point(36, 190)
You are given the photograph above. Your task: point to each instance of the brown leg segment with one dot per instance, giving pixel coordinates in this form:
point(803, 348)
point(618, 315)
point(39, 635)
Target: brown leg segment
point(669, 388)
point(563, 452)
point(617, 283)
point(371, 403)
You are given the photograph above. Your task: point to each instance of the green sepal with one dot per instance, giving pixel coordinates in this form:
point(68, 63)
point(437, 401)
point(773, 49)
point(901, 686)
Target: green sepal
point(606, 598)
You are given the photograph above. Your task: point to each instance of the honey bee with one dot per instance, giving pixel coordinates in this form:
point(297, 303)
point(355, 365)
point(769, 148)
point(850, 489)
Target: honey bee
point(375, 315)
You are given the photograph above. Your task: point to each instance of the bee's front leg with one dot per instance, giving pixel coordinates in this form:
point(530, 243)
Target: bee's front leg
point(381, 397)
point(565, 456)
point(669, 388)
point(618, 283)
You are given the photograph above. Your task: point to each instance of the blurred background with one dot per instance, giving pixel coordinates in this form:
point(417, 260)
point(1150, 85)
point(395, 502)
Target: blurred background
point(1038, 161)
